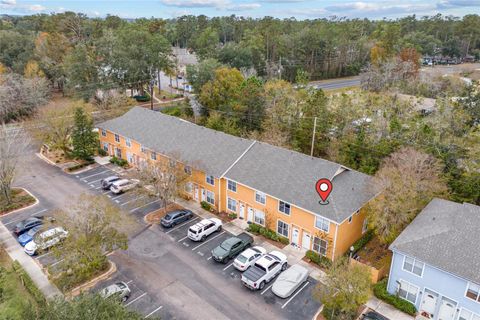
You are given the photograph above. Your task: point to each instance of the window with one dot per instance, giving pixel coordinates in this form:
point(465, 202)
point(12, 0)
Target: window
point(232, 186)
point(211, 180)
point(105, 146)
point(117, 138)
point(320, 246)
point(153, 156)
point(260, 197)
point(468, 315)
point(188, 170)
point(143, 149)
point(232, 204)
point(128, 142)
point(118, 153)
point(407, 291)
point(259, 217)
point(188, 187)
point(282, 228)
point(350, 219)
point(284, 207)
point(365, 225)
point(414, 266)
point(473, 291)
point(104, 132)
point(172, 163)
point(322, 224)
point(210, 197)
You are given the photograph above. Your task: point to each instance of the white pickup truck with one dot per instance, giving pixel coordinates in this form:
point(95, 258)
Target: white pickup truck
point(264, 270)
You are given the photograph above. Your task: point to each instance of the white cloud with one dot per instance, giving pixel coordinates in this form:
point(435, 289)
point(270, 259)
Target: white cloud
point(9, 2)
point(378, 8)
point(196, 3)
point(34, 7)
point(283, 1)
point(445, 4)
point(244, 6)
point(26, 8)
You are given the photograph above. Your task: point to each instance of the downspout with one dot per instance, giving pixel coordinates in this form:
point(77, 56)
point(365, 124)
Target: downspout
point(335, 242)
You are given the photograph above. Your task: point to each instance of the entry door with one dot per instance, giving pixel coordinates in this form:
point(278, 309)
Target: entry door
point(242, 211)
point(195, 192)
point(204, 196)
point(295, 235)
point(447, 309)
point(429, 303)
point(250, 214)
point(130, 158)
point(306, 240)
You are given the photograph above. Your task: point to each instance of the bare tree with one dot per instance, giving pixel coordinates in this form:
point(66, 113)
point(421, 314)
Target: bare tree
point(13, 146)
point(406, 182)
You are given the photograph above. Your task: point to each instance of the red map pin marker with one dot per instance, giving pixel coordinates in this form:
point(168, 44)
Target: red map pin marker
point(323, 187)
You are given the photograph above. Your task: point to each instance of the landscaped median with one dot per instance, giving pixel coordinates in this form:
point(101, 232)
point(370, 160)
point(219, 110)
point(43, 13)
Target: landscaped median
point(19, 198)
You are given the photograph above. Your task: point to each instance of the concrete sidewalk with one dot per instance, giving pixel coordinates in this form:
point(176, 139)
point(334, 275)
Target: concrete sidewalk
point(387, 310)
point(15, 251)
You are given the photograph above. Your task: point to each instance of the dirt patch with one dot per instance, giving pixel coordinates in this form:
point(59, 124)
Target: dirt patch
point(375, 254)
point(224, 216)
point(314, 264)
point(20, 199)
point(154, 217)
point(56, 156)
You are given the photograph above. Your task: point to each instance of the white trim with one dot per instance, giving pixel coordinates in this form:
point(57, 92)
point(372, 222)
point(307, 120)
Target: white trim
point(206, 196)
point(236, 204)
point(334, 243)
point(264, 216)
point(413, 285)
point(264, 196)
point(413, 265)
point(288, 231)
point(463, 308)
point(238, 159)
point(466, 290)
point(206, 179)
point(289, 208)
point(236, 187)
point(315, 225)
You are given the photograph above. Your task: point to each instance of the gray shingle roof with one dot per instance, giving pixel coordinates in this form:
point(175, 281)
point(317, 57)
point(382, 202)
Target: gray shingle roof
point(199, 147)
point(445, 235)
point(291, 176)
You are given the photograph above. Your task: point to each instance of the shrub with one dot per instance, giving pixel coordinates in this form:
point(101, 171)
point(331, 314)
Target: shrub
point(360, 243)
point(267, 233)
point(102, 152)
point(119, 162)
point(318, 259)
point(380, 291)
point(232, 215)
point(254, 228)
point(144, 98)
point(283, 240)
point(205, 205)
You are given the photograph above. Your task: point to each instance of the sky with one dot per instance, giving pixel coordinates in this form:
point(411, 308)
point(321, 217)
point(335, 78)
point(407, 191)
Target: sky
point(300, 9)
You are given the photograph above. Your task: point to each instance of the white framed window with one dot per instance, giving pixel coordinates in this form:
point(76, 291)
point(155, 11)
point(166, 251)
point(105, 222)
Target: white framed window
point(365, 225)
point(104, 132)
point(210, 197)
point(232, 186)
point(143, 149)
point(232, 204)
point(282, 228)
point(128, 142)
point(407, 291)
point(210, 180)
point(320, 246)
point(153, 155)
point(473, 291)
point(118, 153)
point(322, 224)
point(260, 197)
point(188, 170)
point(172, 163)
point(259, 217)
point(350, 219)
point(105, 146)
point(188, 187)
point(413, 266)
point(284, 207)
point(468, 315)
point(117, 138)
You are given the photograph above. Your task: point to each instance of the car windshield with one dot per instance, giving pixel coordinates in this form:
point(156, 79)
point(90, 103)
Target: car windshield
point(168, 217)
point(32, 232)
point(192, 231)
point(20, 225)
point(226, 245)
point(242, 258)
point(121, 285)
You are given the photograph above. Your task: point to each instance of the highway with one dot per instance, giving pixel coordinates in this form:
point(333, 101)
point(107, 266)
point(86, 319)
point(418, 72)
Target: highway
point(334, 84)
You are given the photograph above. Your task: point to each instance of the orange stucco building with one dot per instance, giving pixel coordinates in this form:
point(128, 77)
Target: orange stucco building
point(263, 184)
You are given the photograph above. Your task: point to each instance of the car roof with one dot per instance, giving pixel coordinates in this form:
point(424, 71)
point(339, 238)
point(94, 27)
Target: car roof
point(111, 178)
point(121, 181)
point(232, 240)
point(202, 223)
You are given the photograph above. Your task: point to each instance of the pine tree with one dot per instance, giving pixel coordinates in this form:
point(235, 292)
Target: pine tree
point(84, 139)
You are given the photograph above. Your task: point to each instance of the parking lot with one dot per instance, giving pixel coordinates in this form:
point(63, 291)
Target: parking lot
point(152, 267)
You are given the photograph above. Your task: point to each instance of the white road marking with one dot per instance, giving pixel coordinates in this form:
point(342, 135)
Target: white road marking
point(19, 219)
point(98, 188)
point(228, 266)
point(209, 258)
point(186, 244)
point(135, 199)
point(128, 282)
point(109, 196)
point(200, 253)
point(144, 205)
point(119, 195)
point(148, 315)
point(95, 181)
point(139, 297)
point(306, 283)
point(53, 264)
point(92, 185)
point(182, 224)
point(44, 255)
point(266, 289)
point(93, 175)
point(182, 239)
point(106, 192)
point(218, 235)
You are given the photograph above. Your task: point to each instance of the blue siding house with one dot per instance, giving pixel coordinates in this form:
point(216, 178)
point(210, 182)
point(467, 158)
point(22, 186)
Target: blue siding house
point(436, 262)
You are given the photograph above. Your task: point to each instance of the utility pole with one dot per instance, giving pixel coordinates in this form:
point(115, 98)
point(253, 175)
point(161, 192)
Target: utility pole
point(151, 94)
point(313, 135)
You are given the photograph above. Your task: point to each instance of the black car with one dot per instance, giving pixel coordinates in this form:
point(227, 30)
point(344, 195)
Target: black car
point(27, 224)
point(107, 182)
point(175, 217)
point(372, 315)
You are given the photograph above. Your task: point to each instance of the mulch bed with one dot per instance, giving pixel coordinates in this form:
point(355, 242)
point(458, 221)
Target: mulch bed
point(223, 216)
point(314, 264)
point(20, 199)
point(375, 254)
point(154, 217)
point(56, 156)
point(275, 243)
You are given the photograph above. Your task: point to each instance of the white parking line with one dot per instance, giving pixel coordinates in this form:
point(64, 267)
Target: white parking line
point(54, 264)
point(19, 219)
point(118, 196)
point(95, 181)
point(130, 281)
point(182, 224)
point(135, 199)
point(182, 239)
point(93, 175)
point(295, 295)
point(228, 266)
point(266, 289)
point(218, 235)
point(144, 205)
point(148, 315)
point(106, 192)
point(139, 297)
point(44, 255)
point(209, 258)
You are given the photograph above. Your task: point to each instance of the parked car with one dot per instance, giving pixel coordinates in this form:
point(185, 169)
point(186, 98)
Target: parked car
point(118, 290)
point(107, 182)
point(27, 224)
point(123, 185)
point(289, 281)
point(175, 217)
point(231, 247)
point(248, 258)
point(372, 315)
point(264, 270)
point(201, 230)
point(25, 238)
point(45, 240)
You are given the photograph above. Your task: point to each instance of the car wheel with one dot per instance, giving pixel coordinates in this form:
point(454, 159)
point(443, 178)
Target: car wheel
point(262, 285)
point(284, 266)
point(219, 229)
point(224, 261)
point(124, 299)
point(173, 224)
point(203, 238)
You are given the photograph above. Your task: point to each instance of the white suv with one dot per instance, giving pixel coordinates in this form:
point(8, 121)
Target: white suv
point(201, 230)
point(45, 240)
point(123, 185)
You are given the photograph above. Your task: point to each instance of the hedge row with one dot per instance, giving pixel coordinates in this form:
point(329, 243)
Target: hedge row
point(380, 291)
point(267, 233)
point(80, 166)
point(28, 283)
point(205, 205)
point(360, 243)
point(318, 259)
point(119, 162)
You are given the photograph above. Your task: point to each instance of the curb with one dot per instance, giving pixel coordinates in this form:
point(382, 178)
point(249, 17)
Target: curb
point(88, 285)
point(50, 162)
point(84, 169)
point(318, 312)
point(27, 207)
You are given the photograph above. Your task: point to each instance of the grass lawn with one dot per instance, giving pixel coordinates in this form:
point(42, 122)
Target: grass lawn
point(20, 199)
point(168, 95)
point(14, 298)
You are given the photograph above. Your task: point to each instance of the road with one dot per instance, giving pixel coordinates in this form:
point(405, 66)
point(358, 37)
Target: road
point(334, 84)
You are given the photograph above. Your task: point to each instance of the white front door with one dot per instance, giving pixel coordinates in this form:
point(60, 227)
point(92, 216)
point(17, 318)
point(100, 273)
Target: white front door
point(306, 240)
point(295, 235)
point(195, 192)
point(242, 211)
point(204, 196)
point(429, 303)
point(447, 309)
point(250, 214)
point(130, 158)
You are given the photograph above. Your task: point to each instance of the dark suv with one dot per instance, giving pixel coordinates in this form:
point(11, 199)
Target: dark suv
point(372, 315)
point(27, 224)
point(107, 182)
point(175, 217)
